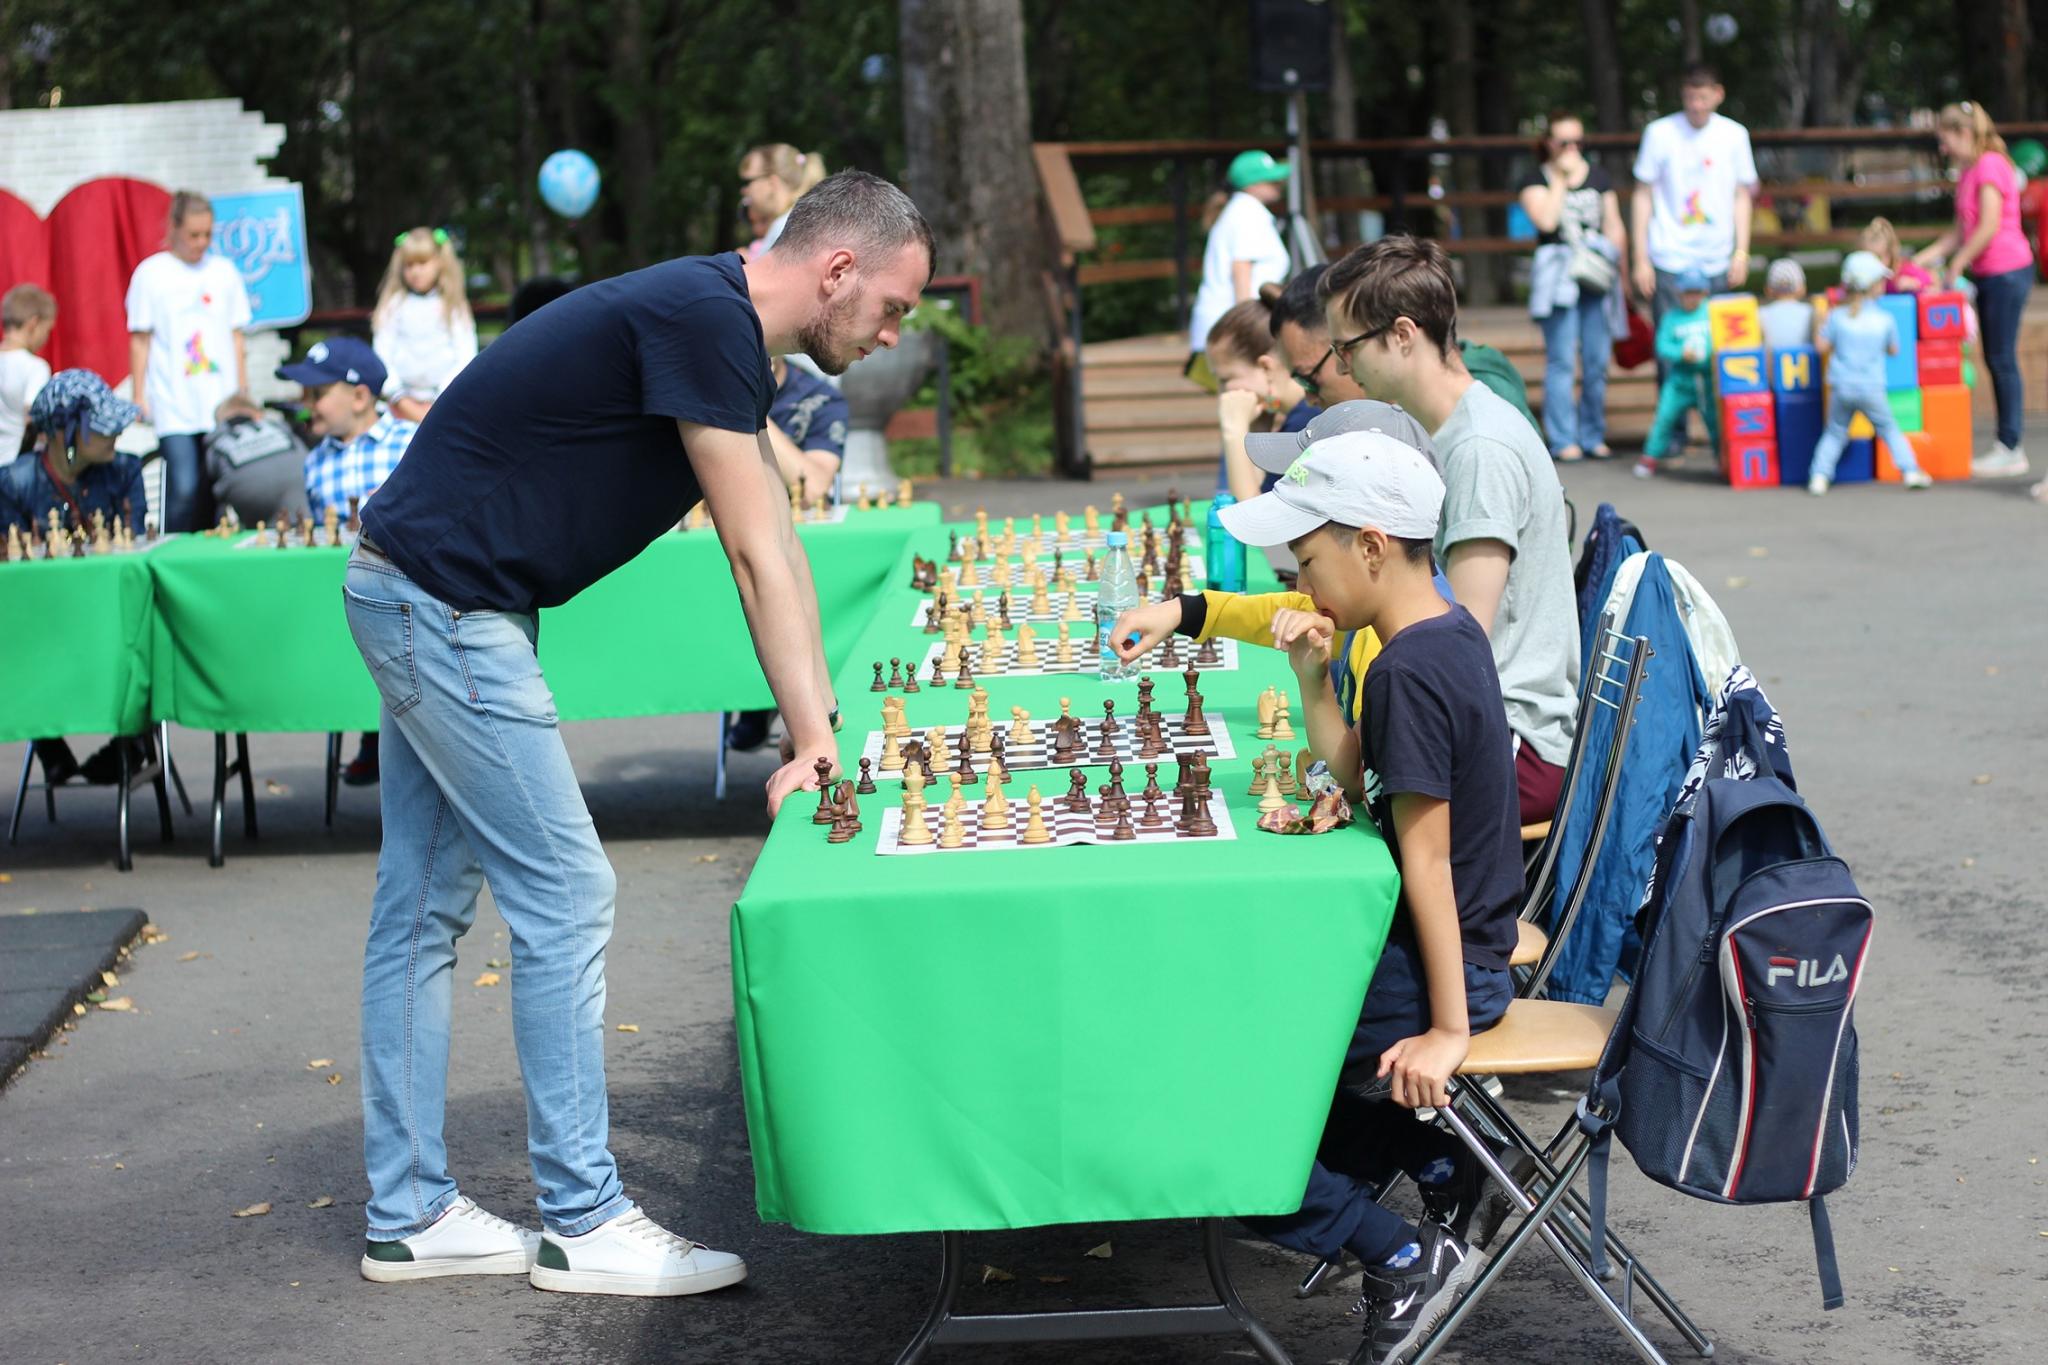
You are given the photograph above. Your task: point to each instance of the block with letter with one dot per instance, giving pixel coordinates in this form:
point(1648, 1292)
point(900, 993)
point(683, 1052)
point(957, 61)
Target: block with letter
point(1945, 418)
point(1941, 362)
point(1751, 463)
point(1735, 323)
point(1748, 418)
point(1941, 316)
point(1858, 463)
point(1740, 372)
point(1799, 417)
point(1902, 371)
point(1795, 369)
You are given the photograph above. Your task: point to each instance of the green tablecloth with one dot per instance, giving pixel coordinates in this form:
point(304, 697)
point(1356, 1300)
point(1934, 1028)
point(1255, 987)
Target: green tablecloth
point(74, 646)
point(253, 639)
point(1006, 1039)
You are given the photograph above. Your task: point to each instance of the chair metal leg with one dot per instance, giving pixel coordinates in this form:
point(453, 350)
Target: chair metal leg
point(220, 796)
point(951, 1250)
point(1320, 1271)
point(1219, 1277)
point(333, 773)
point(28, 762)
point(124, 862)
point(163, 741)
point(248, 786)
point(718, 773)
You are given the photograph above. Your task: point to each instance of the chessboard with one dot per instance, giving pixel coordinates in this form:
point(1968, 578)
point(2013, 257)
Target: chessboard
point(1038, 754)
point(1065, 826)
point(1211, 656)
point(295, 538)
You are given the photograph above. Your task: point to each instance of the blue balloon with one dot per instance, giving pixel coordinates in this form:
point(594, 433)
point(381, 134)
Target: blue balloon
point(568, 182)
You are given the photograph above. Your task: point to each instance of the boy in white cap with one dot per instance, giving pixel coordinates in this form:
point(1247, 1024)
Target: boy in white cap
point(1856, 338)
point(1432, 760)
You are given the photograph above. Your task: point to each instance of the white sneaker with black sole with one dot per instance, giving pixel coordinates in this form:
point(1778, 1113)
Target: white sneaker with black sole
point(463, 1241)
point(633, 1255)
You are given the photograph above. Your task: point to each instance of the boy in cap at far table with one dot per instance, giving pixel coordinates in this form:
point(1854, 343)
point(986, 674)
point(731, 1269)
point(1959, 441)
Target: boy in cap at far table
point(1432, 760)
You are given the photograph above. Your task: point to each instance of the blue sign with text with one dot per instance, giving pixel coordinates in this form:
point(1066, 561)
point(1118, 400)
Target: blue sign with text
point(264, 233)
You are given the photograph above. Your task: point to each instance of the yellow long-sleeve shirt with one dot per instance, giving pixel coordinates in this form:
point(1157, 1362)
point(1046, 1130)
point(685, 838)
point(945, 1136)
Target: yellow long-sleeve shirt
point(1249, 617)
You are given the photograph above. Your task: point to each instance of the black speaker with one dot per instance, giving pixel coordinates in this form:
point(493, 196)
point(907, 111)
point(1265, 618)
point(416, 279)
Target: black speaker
point(1291, 44)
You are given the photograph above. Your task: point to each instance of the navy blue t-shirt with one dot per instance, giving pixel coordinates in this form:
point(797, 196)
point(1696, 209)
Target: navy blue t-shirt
point(553, 457)
point(810, 412)
point(28, 494)
point(1431, 723)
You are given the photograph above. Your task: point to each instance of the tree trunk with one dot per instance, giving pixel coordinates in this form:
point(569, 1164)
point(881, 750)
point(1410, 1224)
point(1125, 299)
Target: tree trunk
point(633, 119)
point(1689, 31)
point(1461, 110)
point(967, 134)
point(1603, 65)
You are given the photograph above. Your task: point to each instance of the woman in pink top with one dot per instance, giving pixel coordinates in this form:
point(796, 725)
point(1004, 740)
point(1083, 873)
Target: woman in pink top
point(1987, 245)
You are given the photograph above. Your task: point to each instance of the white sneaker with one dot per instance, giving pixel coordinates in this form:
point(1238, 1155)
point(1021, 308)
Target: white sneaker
point(463, 1241)
point(2000, 462)
point(1818, 485)
point(632, 1254)
point(1917, 478)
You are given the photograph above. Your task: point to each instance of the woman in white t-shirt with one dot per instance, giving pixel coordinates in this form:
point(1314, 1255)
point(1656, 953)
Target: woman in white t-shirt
point(186, 311)
point(1244, 250)
point(422, 328)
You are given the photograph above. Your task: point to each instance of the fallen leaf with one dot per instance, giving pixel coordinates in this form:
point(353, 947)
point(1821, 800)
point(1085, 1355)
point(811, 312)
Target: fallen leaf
point(1101, 1253)
point(1991, 670)
point(6, 877)
point(120, 1004)
point(1981, 780)
point(253, 1211)
point(2033, 1161)
point(295, 1284)
point(1736, 581)
point(110, 979)
point(707, 857)
point(1062, 1279)
point(487, 979)
point(628, 1028)
point(77, 1008)
point(319, 1063)
point(324, 1201)
point(499, 962)
point(94, 997)
point(119, 1167)
point(1969, 862)
point(276, 788)
point(1759, 552)
point(991, 1275)
point(188, 957)
point(334, 1078)
point(1894, 1269)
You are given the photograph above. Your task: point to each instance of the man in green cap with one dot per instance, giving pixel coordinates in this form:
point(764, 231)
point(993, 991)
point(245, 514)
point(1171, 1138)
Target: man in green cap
point(1244, 249)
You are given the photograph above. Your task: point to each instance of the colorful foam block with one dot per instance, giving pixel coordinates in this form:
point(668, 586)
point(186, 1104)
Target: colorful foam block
point(1906, 409)
point(1945, 417)
point(1858, 463)
point(1734, 321)
point(1799, 417)
point(1795, 369)
point(1902, 371)
point(1752, 464)
point(1861, 428)
point(1938, 457)
point(1941, 362)
point(1748, 417)
point(1941, 316)
point(1739, 372)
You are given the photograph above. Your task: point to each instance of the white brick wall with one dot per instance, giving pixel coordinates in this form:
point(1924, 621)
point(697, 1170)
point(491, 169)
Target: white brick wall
point(213, 146)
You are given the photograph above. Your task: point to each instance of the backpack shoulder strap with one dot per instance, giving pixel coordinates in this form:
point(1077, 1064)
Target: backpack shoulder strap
point(1823, 1253)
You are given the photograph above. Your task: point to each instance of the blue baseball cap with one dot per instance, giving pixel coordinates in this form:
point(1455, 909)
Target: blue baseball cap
point(76, 399)
point(1693, 281)
point(346, 360)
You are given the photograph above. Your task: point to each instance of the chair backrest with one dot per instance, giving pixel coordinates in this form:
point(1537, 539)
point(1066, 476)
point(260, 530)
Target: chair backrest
point(1629, 688)
point(1601, 685)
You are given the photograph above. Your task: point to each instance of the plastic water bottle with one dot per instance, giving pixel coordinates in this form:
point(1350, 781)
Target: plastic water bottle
point(1224, 551)
point(1116, 594)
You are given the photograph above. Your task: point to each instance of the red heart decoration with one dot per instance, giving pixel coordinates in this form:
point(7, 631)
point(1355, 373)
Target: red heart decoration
point(83, 253)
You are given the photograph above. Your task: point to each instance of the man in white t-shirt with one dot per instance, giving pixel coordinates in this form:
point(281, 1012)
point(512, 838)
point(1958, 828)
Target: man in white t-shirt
point(1695, 177)
point(186, 311)
point(27, 314)
point(1244, 249)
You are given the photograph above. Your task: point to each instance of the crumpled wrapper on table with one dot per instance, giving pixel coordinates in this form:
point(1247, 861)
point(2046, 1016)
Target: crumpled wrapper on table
point(1327, 809)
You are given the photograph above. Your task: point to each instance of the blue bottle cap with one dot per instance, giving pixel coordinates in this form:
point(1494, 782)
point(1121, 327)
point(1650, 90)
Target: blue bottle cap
point(1115, 539)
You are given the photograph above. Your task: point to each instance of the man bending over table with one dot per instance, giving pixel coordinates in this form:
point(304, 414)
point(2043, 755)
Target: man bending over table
point(561, 452)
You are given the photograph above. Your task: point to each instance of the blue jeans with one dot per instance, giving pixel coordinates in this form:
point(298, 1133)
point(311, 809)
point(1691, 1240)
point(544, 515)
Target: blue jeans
point(1843, 405)
point(1576, 334)
point(2001, 299)
point(182, 462)
point(1364, 1141)
point(477, 784)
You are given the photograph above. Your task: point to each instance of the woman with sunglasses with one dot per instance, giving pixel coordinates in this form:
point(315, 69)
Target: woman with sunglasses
point(772, 178)
point(1572, 285)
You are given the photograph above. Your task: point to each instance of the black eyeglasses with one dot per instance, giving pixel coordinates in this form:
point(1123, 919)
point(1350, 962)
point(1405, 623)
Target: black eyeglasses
point(1568, 141)
point(1343, 349)
point(1307, 378)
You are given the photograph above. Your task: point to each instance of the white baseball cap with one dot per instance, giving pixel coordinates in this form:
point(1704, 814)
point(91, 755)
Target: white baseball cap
point(1356, 478)
point(1274, 451)
point(1862, 270)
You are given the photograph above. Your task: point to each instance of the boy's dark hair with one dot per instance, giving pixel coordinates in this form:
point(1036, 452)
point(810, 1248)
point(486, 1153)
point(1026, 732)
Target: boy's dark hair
point(1300, 302)
point(1415, 551)
point(25, 303)
point(1698, 74)
point(1397, 277)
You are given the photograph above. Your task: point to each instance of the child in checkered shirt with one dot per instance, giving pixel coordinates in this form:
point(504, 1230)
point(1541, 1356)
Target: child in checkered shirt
point(360, 442)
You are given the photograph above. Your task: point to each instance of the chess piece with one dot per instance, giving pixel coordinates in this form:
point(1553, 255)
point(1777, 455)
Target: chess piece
point(1003, 609)
point(938, 670)
point(910, 679)
point(951, 835)
point(1121, 832)
point(825, 813)
point(935, 745)
point(1063, 650)
point(878, 685)
point(980, 731)
point(1269, 706)
point(1091, 519)
point(1283, 771)
point(866, 785)
point(964, 774)
point(1091, 573)
point(1260, 763)
point(931, 616)
point(895, 674)
point(892, 754)
point(1283, 728)
point(1193, 723)
point(1020, 725)
point(995, 808)
point(861, 501)
point(1272, 800)
point(964, 680)
point(1105, 739)
point(1035, 831)
point(1151, 781)
point(1077, 792)
point(1027, 647)
point(903, 491)
point(998, 765)
point(1113, 794)
point(848, 822)
point(992, 649)
point(1169, 652)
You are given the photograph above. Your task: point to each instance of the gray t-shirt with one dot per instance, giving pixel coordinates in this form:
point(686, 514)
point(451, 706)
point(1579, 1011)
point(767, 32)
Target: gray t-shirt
point(1499, 484)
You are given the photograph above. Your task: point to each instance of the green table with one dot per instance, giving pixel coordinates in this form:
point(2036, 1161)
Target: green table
point(1005, 1039)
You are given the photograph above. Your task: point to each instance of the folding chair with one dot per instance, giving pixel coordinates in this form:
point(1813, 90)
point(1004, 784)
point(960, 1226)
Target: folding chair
point(151, 773)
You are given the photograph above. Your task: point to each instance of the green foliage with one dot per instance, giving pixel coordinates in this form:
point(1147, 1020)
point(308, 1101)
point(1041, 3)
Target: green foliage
point(1001, 400)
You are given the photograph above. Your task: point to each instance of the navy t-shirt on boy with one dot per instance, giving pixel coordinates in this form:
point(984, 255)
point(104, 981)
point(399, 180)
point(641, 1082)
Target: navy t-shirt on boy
point(1432, 724)
point(553, 458)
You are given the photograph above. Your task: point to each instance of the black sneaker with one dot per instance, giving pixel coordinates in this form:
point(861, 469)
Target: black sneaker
point(749, 731)
point(1470, 1203)
point(1402, 1304)
point(363, 770)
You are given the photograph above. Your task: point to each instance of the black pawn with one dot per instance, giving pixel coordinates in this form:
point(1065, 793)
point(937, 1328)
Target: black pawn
point(910, 680)
point(866, 785)
point(878, 685)
point(895, 673)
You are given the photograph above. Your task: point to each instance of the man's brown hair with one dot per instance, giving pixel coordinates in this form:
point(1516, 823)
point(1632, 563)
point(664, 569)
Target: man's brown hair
point(1397, 277)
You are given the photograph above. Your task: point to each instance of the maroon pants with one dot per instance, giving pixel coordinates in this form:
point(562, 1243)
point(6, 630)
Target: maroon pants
point(1537, 784)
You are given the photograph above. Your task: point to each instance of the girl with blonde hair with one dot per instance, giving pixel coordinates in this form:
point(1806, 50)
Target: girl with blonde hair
point(1986, 244)
point(422, 327)
point(772, 178)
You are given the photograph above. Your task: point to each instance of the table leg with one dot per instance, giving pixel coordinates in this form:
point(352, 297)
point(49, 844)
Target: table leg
point(124, 862)
point(220, 795)
point(163, 740)
point(718, 778)
point(1219, 1276)
point(248, 786)
point(333, 773)
point(28, 761)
